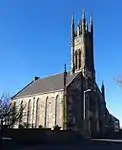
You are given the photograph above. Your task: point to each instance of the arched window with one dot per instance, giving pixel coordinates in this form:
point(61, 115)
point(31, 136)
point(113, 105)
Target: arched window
point(76, 60)
point(79, 58)
point(56, 110)
point(29, 113)
point(21, 113)
point(37, 113)
point(46, 113)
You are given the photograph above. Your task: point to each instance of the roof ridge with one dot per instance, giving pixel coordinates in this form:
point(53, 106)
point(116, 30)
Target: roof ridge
point(52, 75)
point(22, 89)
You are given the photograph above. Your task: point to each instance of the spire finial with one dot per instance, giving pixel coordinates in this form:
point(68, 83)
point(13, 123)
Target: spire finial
point(65, 68)
point(72, 27)
point(78, 22)
point(91, 23)
point(86, 26)
point(102, 82)
point(72, 17)
point(78, 28)
point(103, 89)
point(91, 20)
point(83, 13)
point(83, 21)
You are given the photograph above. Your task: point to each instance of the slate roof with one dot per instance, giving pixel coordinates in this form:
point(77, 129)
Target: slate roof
point(47, 84)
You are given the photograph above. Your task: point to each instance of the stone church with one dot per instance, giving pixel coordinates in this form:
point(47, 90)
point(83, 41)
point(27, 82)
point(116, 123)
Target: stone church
point(71, 99)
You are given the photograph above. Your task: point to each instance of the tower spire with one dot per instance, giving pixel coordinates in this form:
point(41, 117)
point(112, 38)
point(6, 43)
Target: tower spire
point(78, 28)
point(86, 26)
point(65, 68)
point(91, 24)
point(72, 42)
point(72, 17)
point(83, 21)
point(83, 64)
point(83, 13)
point(103, 90)
point(82, 57)
point(72, 27)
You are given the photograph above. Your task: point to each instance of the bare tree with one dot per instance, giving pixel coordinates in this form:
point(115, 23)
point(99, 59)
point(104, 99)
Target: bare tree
point(9, 114)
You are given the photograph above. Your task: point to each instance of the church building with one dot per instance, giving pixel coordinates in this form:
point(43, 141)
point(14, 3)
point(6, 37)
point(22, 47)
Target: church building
point(71, 99)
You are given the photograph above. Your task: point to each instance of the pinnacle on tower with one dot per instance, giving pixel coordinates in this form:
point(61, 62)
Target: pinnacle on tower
point(91, 20)
point(102, 84)
point(78, 22)
point(78, 28)
point(83, 14)
point(64, 67)
point(65, 71)
point(72, 18)
point(72, 27)
point(91, 23)
point(103, 90)
point(83, 21)
point(86, 26)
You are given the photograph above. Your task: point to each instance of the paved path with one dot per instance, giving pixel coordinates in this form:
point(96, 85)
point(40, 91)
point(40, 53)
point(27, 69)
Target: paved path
point(74, 147)
point(96, 144)
point(108, 140)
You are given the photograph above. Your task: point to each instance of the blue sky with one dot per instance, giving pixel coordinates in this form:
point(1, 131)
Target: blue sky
point(35, 40)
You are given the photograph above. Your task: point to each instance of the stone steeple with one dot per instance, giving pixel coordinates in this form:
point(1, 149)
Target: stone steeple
point(82, 58)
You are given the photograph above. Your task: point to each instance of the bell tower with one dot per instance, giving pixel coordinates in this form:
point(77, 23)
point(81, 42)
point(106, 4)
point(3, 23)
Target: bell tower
point(82, 57)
